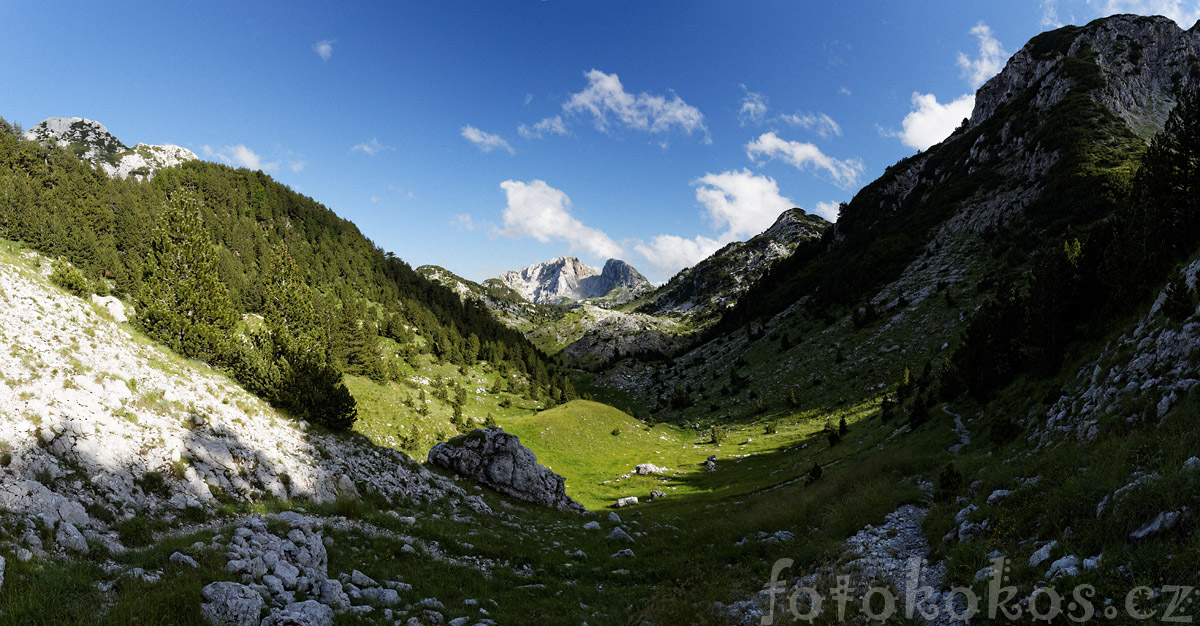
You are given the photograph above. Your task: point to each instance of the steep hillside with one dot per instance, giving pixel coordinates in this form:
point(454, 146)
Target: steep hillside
point(705, 290)
point(508, 305)
point(279, 257)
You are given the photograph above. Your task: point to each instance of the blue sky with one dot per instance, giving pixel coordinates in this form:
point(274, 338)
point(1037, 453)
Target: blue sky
point(484, 136)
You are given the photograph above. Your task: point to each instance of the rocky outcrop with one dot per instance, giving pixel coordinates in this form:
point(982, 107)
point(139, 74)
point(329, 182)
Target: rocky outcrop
point(127, 429)
point(497, 460)
point(1142, 62)
point(567, 279)
point(606, 335)
point(709, 287)
point(93, 143)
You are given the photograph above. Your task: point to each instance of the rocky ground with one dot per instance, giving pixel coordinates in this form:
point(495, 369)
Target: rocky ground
point(98, 428)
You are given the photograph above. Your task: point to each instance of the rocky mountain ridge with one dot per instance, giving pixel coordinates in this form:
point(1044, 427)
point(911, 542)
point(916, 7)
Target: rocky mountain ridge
point(92, 142)
point(709, 287)
point(567, 279)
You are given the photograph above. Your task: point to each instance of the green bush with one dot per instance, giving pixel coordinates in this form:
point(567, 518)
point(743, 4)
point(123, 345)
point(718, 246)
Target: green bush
point(68, 277)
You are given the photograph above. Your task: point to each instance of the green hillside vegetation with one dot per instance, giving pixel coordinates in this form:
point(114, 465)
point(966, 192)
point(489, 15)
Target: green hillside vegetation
point(246, 245)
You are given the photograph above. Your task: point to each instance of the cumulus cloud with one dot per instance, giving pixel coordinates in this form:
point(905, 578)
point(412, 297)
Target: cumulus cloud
point(802, 155)
point(828, 210)
point(990, 61)
point(607, 102)
point(549, 126)
point(324, 49)
point(542, 212)
point(1184, 13)
point(485, 141)
point(930, 121)
point(239, 156)
point(819, 123)
point(736, 203)
point(371, 148)
point(741, 203)
point(670, 253)
point(754, 107)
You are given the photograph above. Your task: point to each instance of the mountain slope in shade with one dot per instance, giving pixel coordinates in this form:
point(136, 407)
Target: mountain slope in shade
point(92, 142)
point(706, 289)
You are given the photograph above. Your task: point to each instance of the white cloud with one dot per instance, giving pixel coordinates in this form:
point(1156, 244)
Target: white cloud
point(324, 49)
point(738, 204)
point(485, 141)
point(801, 155)
point(754, 107)
point(239, 156)
point(1184, 13)
point(463, 221)
point(929, 122)
point(741, 203)
point(1050, 14)
point(819, 123)
point(991, 57)
point(542, 212)
point(828, 210)
point(549, 126)
point(670, 253)
point(845, 91)
point(606, 100)
point(371, 148)
point(296, 166)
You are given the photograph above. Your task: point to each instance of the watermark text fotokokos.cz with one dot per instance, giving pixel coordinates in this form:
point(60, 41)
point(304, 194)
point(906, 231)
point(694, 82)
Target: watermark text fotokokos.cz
point(962, 603)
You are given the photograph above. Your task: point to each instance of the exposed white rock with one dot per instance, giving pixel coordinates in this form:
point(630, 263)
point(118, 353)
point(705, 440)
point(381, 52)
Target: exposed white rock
point(111, 408)
point(105, 151)
point(567, 279)
point(231, 604)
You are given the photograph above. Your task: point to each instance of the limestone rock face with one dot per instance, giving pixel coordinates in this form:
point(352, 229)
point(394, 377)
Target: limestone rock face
point(497, 460)
point(92, 142)
point(567, 279)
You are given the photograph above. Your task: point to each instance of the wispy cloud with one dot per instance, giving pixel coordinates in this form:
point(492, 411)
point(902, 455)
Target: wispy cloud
point(609, 105)
point(1184, 13)
point(486, 142)
point(549, 126)
point(1050, 14)
point(537, 210)
point(990, 61)
point(819, 123)
point(803, 155)
point(239, 156)
point(754, 107)
point(463, 221)
point(371, 148)
point(324, 48)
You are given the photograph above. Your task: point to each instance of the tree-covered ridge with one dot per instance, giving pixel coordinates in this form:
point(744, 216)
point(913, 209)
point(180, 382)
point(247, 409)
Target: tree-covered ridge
point(112, 230)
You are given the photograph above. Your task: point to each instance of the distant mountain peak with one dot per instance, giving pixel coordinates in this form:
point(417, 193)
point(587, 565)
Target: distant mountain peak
point(92, 142)
point(567, 279)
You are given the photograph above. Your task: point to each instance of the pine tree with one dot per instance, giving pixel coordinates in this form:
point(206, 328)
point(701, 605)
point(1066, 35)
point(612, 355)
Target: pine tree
point(182, 301)
point(1180, 302)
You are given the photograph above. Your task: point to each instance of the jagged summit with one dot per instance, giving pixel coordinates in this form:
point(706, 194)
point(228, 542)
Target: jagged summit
point(1132, 64)
point(709, 287)
point(568, 279)
point(92, 142)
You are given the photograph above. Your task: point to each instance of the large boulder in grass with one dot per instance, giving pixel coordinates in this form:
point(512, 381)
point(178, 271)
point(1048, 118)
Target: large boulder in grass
point(497, 460)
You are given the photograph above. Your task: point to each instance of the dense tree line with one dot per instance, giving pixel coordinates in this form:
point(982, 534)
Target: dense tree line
point(1080, 286)
point(252, 240)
